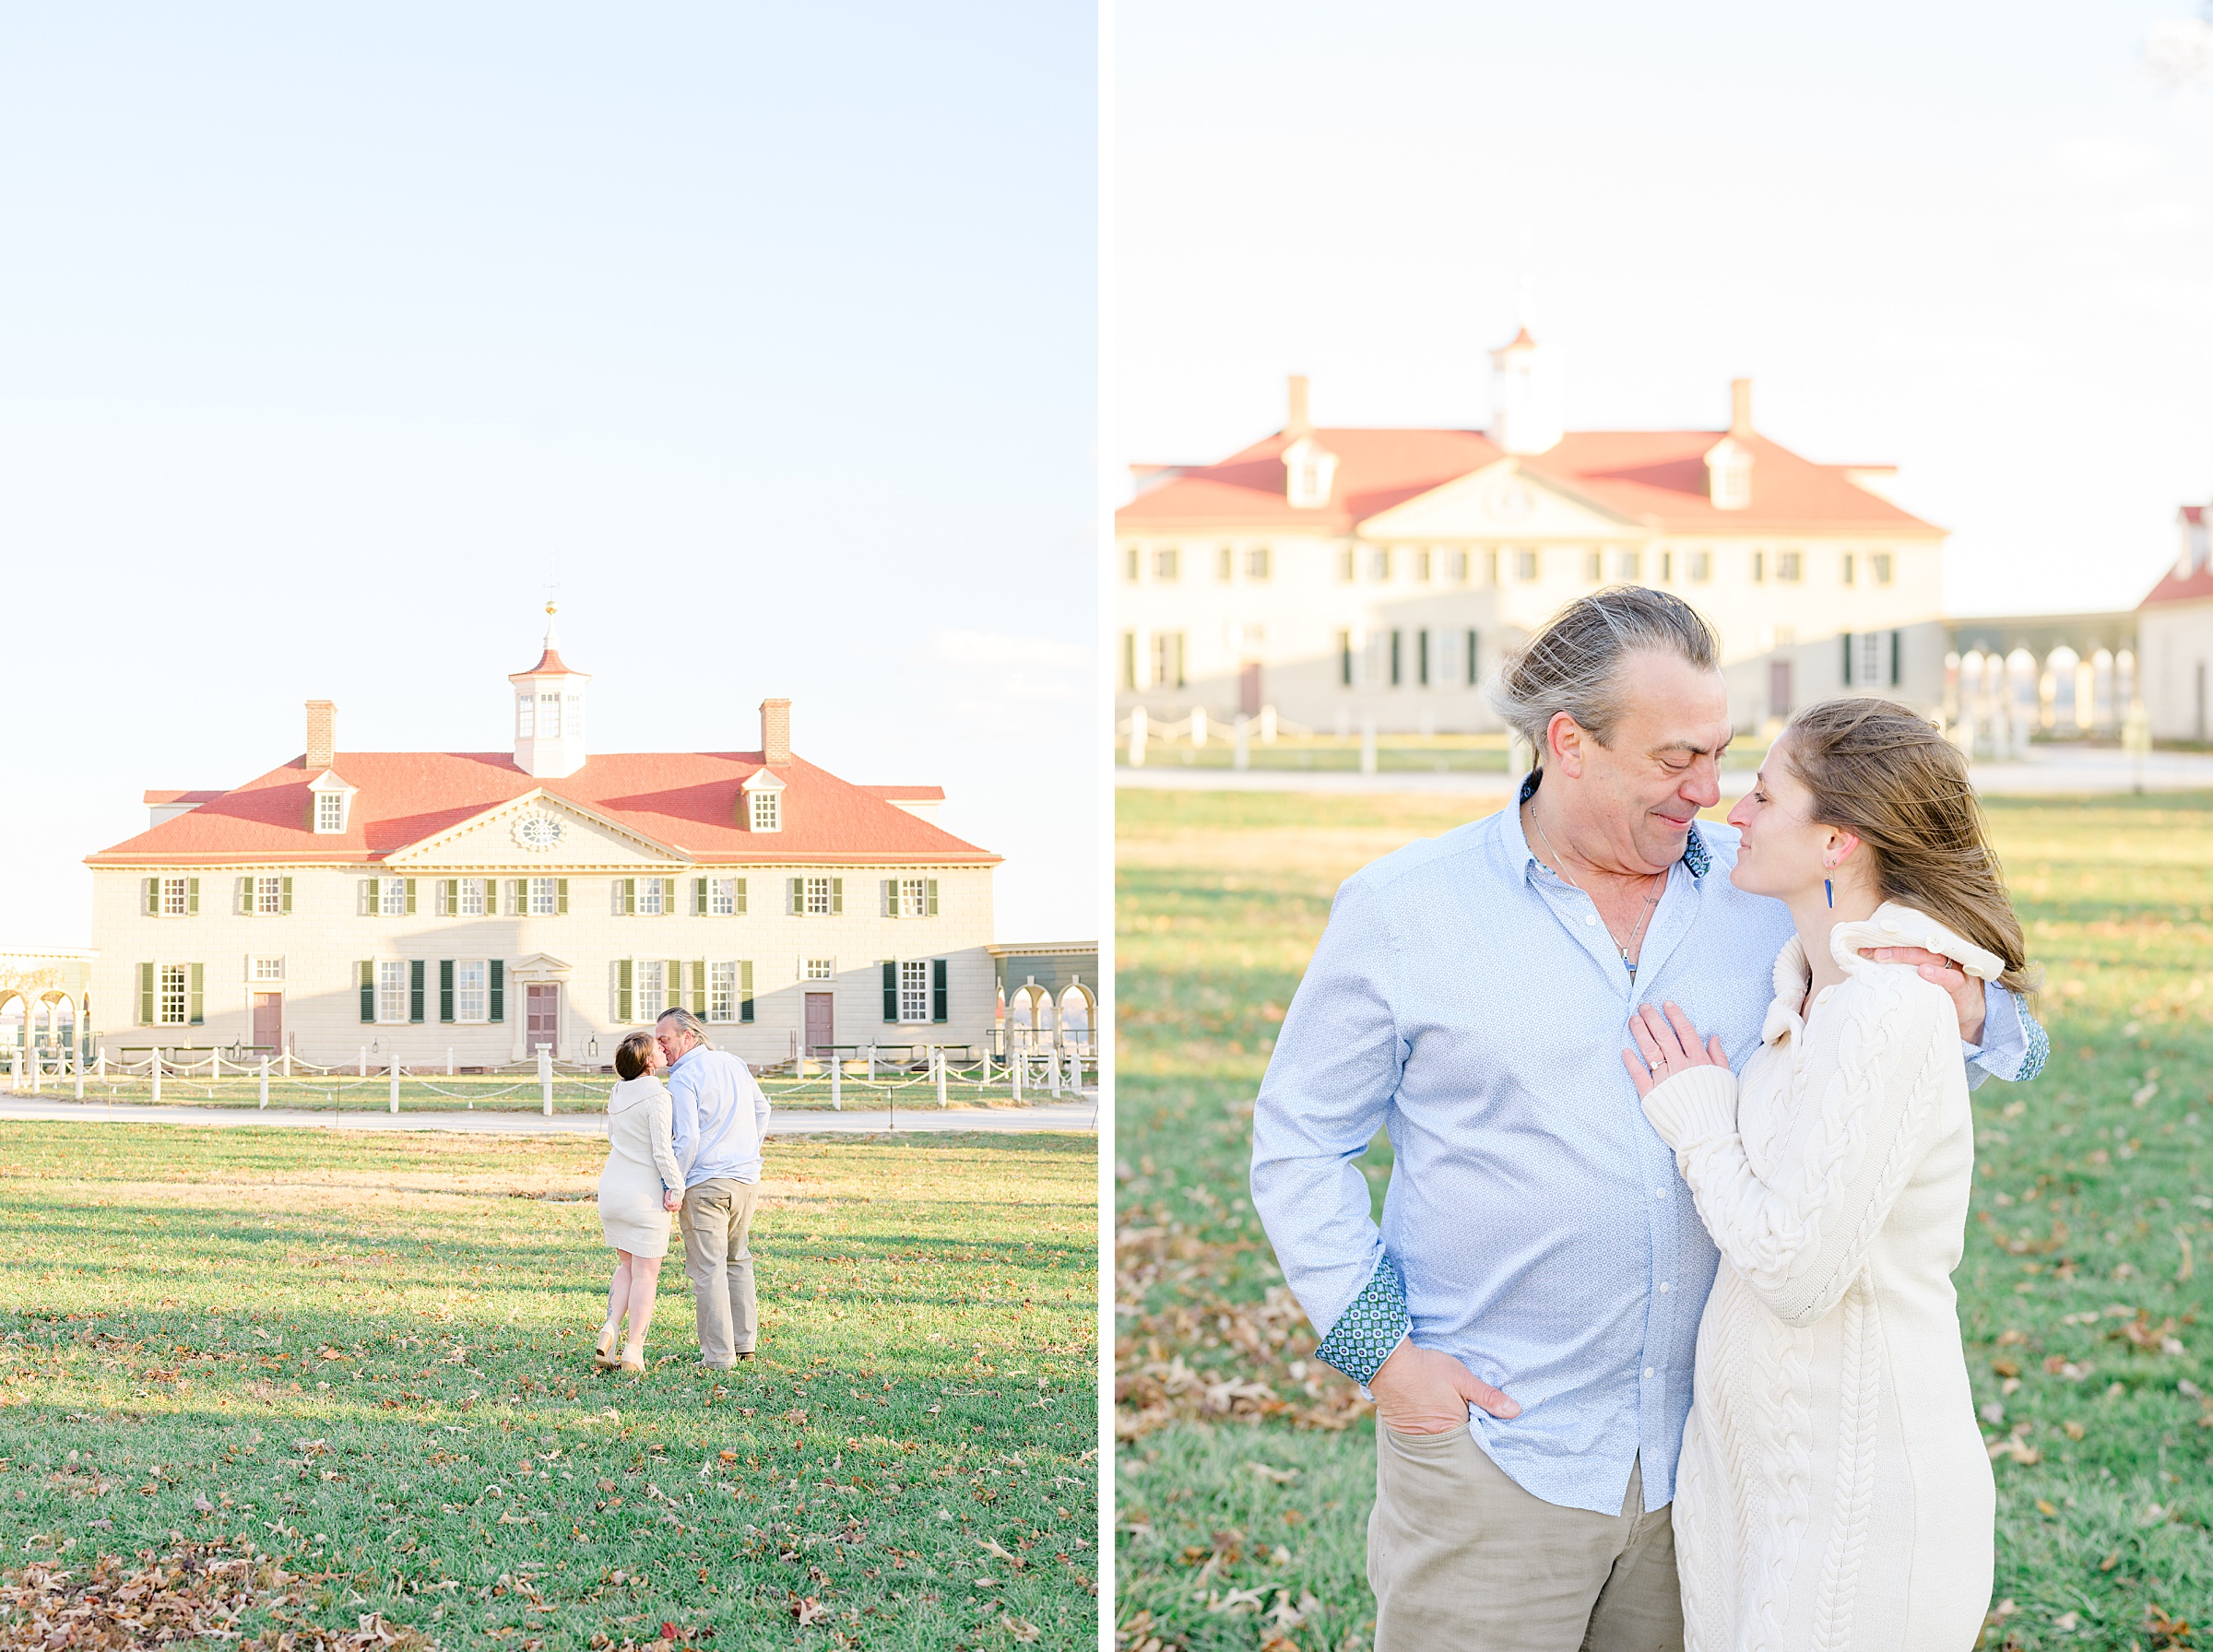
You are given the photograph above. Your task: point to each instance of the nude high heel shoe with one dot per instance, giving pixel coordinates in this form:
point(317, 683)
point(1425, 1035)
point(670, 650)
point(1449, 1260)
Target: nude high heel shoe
point(603, 1355)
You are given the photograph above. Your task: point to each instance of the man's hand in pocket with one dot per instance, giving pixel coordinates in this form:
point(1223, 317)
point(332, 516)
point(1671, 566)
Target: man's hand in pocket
point(1421, 1392)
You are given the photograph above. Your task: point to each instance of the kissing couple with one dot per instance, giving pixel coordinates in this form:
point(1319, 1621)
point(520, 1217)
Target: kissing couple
point(1658, 1321)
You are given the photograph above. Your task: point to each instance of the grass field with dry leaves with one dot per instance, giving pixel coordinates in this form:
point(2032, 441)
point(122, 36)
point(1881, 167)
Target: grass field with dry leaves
point(337, 1385)
point(1245, 1470)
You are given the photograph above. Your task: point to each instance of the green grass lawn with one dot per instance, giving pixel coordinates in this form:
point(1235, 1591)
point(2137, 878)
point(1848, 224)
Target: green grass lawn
point(1245, 1470)
point(364, 1358)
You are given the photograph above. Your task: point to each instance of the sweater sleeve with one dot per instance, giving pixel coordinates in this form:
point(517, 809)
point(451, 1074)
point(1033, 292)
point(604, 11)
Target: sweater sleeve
point(1800, 1236)
point(658, 1135)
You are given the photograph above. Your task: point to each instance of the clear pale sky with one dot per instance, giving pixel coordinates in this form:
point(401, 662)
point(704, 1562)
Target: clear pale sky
point(1974, 240)
point(330, 336)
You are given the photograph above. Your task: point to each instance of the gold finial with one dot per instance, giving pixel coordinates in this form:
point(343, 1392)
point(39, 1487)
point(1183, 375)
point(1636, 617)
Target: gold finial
point(549, 608)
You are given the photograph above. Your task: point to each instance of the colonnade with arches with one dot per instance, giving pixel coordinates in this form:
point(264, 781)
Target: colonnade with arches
point(2066, 676)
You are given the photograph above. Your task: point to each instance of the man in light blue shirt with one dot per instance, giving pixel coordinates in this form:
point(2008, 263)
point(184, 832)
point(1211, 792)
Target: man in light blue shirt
point(1525, 1315)
point(718, 1118)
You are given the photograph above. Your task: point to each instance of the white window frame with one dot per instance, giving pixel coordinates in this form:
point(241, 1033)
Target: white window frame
point(1259, 561)
point(391, 991)
point(331, 811)
point(473, 889)
point(1378, 564)
point(548, 716)
point(820, 969)
point(722, 897)
point(1628, 565)
point(173, 990)
point(466, 993)
point(814, 897)
point(722, 992)
point(176, 897)
point(1526, 566)
point(391, 897)
point(914, 897)
point(1168, 564)
point(1701, 567)
point(1883, 565)
point(266, 968)
point(645, 1005)
point(768, 811)
point(525, 717)
point(1870, 668)
point(268, 896)
point(544, 899)
point(1790, 566)
point(649, 898)
point(914, 990)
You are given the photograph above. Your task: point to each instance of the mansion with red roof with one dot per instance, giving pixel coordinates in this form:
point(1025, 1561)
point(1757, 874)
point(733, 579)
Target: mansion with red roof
point(1340, 575)
point(2174, 639)
point(492, 903)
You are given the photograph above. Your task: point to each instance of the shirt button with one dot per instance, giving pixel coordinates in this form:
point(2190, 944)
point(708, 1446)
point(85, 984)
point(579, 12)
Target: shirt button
point(1590, 917)
point(1648, 1374)
point(1659, 1193)
point(1663, 1287)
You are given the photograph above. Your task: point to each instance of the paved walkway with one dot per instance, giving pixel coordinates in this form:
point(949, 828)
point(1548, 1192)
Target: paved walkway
point(1081, 1116)
point(2049, 770)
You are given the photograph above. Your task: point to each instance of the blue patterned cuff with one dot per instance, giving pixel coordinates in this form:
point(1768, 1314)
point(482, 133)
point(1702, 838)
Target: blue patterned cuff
point(1368, 1331)
point(2040, 1048)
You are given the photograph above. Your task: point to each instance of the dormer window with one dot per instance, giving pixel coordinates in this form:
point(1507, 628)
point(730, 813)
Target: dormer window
point(768, 811)
point(332, 802)
point(1309, 474)
point(1729, 475)
point(761, 802)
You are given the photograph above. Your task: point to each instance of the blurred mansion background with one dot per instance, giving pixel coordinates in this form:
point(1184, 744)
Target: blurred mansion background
point(1334, 582)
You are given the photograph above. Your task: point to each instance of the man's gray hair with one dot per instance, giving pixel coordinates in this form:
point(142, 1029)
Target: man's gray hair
point(685, 1022)
point(1573, 664)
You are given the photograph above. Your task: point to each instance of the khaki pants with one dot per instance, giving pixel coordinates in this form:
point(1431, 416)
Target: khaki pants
point(1462, 1557)
point(714, 1220)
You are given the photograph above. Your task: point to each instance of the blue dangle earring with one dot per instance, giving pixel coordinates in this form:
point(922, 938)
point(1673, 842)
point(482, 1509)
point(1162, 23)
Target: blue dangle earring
point(1828, 891)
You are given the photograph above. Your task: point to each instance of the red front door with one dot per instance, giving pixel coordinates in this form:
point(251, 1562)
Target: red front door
point(542, 1005)
point(822, 1027)
point(268, 1020)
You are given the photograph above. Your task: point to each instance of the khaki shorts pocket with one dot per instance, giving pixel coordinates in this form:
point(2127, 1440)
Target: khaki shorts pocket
point(1424, 1444)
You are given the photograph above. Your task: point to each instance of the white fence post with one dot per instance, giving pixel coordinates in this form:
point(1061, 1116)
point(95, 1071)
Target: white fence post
point(1052, 1066)
point(365, 1061)
point(837, 1087)
point(1017, 1060)
point(99, 1065)
point(1368, 745)
point(1075, 1070)
point(78, 1066)
point(940, 1056)
point(35, 1063)
point(871, 1062)
point(157, 1074)
point(288, 1060)
point(1137, 737)
point(264, 1081)
point(396, 1083)
point(544, 1076)
point(449, 1060)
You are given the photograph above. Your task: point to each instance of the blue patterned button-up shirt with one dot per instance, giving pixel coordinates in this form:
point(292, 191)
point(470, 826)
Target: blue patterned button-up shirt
point(1469, 1002)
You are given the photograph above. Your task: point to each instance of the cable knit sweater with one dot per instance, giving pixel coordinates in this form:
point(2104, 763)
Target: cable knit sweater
point(1833, 1490)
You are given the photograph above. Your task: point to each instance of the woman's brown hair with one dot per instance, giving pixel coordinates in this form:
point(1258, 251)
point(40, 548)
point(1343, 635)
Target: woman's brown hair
point(633, 1055)
point(1889, 777)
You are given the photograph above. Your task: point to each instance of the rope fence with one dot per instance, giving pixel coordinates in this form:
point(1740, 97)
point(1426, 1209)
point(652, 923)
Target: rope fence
point(164, 1076)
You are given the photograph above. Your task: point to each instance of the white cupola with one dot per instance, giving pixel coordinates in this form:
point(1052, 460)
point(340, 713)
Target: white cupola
point(1309, 468)
point(1525, 402)
point(548, 712)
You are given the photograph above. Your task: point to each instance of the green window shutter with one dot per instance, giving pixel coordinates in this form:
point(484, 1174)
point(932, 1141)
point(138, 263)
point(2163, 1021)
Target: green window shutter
point(146, 994)
point(1847, 641)
point(153, 896)
point(699, 987)
point(560, 897)
point(415, 993)
point(674, 982)
point(368, 969)
point(1896, 671)
point(196, 979)
point(452, 897)
point(837, 897)
point(499, 989)
point(890, 886)
point(365, 897)
point(669, 897)
point(891, 989)
point(245, 896)
point(929, 897)
point(287, 897)
point(411, 897)
point(699, 897)
point(192, 897)
point(795, 893)
point(937, 989)
point(739, 904)
point(745, 990)
point(445, 989)
point(630, 897)
point(623, 991)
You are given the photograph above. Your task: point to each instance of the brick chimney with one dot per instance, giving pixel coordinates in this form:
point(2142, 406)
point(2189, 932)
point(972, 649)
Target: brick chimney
point(776, 731)
point(1297, 423)
point(1740, 407)
point(322, 734)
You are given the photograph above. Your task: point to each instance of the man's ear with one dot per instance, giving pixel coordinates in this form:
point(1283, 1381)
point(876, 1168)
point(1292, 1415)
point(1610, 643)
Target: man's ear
point(1565, 736)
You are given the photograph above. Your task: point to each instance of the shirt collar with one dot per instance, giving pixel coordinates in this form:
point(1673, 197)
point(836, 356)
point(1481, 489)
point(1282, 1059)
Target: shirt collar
point(1697, 859)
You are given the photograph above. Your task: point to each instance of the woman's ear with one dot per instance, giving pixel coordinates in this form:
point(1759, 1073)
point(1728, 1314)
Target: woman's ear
point(1841, 845)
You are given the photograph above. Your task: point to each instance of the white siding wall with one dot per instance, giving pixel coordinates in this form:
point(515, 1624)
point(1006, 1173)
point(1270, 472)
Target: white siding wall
point(323, 938)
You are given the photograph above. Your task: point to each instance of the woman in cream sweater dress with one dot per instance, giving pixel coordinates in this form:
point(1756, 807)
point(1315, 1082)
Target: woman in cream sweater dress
point(638, 1189)
point(1834, 1491)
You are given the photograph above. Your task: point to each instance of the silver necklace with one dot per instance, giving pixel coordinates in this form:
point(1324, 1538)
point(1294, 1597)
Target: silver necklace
point(1560, 866)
